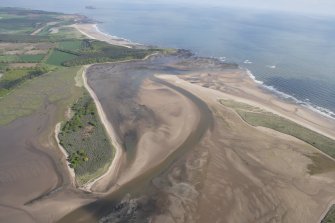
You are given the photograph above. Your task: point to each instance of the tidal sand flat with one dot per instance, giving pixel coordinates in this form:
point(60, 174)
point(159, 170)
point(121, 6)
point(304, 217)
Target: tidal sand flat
point(149, 118)
point(219, 167)
point(269, 169)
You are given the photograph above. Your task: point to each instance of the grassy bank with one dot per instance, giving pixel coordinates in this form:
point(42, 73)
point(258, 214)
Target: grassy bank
point(85, 140)
point(330, 217)
point(258, 117)
point(14, 78)
point(32, 94)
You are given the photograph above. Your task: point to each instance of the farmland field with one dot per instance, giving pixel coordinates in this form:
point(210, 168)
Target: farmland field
point(8, 58)
point(31, 58)
point(58, 57)
point(71, 44)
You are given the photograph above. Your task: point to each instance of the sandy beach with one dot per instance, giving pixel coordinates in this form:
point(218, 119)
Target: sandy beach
point(237, 85)
point(114, 168)
point(71, 171)
point(92, 32)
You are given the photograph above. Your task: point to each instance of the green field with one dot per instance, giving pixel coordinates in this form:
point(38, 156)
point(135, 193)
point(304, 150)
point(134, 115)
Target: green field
point(71, 45)
point(29, 96)
point(19, 21)
point(13, 78)
point(57, 57)
point(31, 58)
point(93, 51)
point(3, 66)
point(8, 58)
point(67, 33)
point(85, 139)
point(257, 117)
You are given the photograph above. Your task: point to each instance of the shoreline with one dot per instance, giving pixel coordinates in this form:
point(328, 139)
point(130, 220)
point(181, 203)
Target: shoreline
point(283, 96)
point(324, 214)
point(92, 31)
point(62, 149)
point(273, 92)
point(114, 167)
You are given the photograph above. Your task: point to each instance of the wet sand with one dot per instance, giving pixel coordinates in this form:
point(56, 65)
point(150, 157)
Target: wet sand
point(158, 118)
point(28, 168)
point(31, 170)
point(257, 175)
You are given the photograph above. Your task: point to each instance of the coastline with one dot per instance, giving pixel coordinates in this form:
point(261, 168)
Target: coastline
point(273, 92)
point(322, 111)
point(62, 149)
point(92, 31)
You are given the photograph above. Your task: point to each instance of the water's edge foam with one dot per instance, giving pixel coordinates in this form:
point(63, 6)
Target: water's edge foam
point(114, 37)
point(320, 110)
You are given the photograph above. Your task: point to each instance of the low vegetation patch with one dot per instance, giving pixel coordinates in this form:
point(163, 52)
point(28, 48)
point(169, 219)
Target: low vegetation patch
point(257, 117)
point(330, 217)
point(31, 58)
point(85, 140)
point(94, 51)
point(31, 95)
point(58, 57)
point(14, 77)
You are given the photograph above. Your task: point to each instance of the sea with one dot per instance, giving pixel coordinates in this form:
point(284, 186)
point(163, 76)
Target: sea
point(289, 54)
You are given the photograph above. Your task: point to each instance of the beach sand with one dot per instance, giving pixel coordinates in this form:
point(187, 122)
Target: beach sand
point(237, 85)
point(92, 32)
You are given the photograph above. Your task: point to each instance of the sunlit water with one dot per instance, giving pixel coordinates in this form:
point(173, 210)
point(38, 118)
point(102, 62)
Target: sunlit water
point(291, 53)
